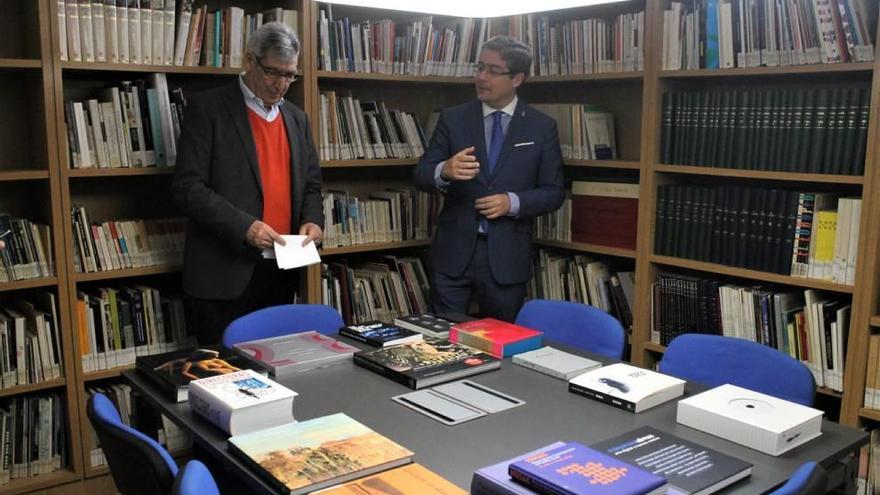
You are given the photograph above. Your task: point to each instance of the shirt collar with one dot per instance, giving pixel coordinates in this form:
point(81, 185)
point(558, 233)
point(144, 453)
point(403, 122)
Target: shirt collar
point(258, 105)
point(508, 109)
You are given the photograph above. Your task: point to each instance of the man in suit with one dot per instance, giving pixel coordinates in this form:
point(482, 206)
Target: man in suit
point(247, 172)
point(498, 162)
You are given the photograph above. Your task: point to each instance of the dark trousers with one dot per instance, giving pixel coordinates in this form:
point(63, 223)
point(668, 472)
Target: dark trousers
point(269, 286)
point(453, 294)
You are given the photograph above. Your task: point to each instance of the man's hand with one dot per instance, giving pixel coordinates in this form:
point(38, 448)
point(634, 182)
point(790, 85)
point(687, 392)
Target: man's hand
point(461, 166)
point(2, 244)
point(494, 206)
point(313, 232)
point(261, 236)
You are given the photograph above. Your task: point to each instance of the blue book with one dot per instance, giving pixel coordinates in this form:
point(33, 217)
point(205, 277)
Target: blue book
point(495, 480)
point(712, 50)
point(575, 469)
point(378, 334)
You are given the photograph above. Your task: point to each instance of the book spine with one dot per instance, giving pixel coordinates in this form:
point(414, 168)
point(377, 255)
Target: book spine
point(394, 375)
point(601, 397)
point(203, 403)
point(540, 486)
point(346, 332)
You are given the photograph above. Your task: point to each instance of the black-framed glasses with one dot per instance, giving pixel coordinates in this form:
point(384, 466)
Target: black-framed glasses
point(277, 74)
point(492, 70)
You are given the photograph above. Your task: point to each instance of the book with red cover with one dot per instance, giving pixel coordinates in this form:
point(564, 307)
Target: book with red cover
point(498, 338)
point(605, 213)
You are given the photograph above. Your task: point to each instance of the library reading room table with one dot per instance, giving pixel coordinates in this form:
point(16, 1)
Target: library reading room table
point(550, 413)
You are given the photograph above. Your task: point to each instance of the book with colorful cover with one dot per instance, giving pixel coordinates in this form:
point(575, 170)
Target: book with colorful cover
point(627, 387)
point(174, 370)
point(296, 352)
point(689, 468)
point(498, 338)
point(412, 478)
point(496, 480)
point(575, 469)
point(422, 364)
point(379, 334)
point(310, 455)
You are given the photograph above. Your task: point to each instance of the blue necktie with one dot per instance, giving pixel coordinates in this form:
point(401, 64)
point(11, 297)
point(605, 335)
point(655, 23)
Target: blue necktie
point(495, 145)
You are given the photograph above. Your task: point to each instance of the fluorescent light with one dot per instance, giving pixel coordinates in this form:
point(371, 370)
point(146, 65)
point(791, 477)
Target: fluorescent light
point(471, 8)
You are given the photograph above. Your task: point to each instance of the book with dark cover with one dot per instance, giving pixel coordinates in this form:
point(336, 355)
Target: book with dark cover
point(379, 334)
point(430, 324)
point(422, 364)
point(604, 213)
point(687, 466)
point(174, 370)
point(495, 479)
point(575, 469)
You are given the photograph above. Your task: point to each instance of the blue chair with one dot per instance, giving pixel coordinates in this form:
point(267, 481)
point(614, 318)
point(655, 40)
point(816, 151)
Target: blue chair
point(139, 465)
point(714, 360)
point(575, 324)
point(809, 479)
point(195, 479)
point(285, 319)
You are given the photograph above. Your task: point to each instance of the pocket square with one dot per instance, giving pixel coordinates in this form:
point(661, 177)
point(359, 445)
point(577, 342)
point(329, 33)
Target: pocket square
point(529, 143)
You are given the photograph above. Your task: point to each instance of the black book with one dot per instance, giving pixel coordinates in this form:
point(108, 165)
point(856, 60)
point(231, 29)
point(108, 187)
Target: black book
point(743, 218)
point(666, 130)
point(833, 134)
point(709, 157)
point(379, 334)
point(846, 158)
point(768, 122)
point(862, 133)
point(818, 131)
point(783, 156)
point(803, 129)
point(755, 236)
point(685, 235)
point(736, 150)
point(702, 137)
point(661, 227)
point(726, 128)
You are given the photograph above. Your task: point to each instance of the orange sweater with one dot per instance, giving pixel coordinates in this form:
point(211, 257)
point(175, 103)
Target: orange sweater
point(273, 156)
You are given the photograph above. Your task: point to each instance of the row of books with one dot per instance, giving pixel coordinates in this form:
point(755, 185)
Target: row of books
point(30, 340)
point(120, 244)
point(33, 432)
point(134, 124)
point(872, 374)
point(384, 289)
point(602, 213)
point(715, 34)
point(802, 234)
point(807, 325)
point(586, 131)
point(352, 129)
point(386, 216)
point(115, 325)
point(579, 278)
point(815, 130)
point(28, 252)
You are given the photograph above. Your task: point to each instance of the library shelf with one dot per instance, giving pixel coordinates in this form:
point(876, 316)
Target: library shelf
point(872, 414)
point(95, 471)
point(168, 69)
point(588, 248)
point(760, 174)
point(32, 387)
point(21, 63)
point(379, 162)
point(374, 246)
point(26, 485)
point(405, 78)
point(875, 321)
point(620, 164)
point(23, 174)
point(30, 283)
point(865, 67)
point(703, 266)
point(595, 76)
point(90, 376)
point(117, 172)
point(127, 272)
point(828, 392)
point(655, 347)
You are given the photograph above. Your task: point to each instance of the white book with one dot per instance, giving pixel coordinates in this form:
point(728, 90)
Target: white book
point(183, 28)
point(85, 154)
point(111, 31)
point(135, 37)
point(157, 52)
point(122, 35)
point(98, 135)
point(627, 387)
point(159, 82)
point(556, 363)
point(100, 39)
point(74, 50)
point(168, 34)
point(242, 402)
point(853, 247)
point(146, 31)
point(87, 41)
point(836, 270)
point(62, 29)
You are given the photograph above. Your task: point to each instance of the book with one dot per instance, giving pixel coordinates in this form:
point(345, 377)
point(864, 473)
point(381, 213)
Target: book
point(422, 364)
point(575, 469)
point(627, 387)
point(688, 467)
point(242, 402)
point(310, 455)
point(604, 213)
point(296, 353)
point(498, 338)
point(427, 323)
point(495, 479)
point(412, 478)
point(556, 363)
point(378, 334)
point(173, 371)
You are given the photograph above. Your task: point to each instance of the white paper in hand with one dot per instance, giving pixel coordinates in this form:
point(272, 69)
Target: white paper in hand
point(293, 254)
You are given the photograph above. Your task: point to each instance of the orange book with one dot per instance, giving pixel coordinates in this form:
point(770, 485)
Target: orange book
point(413, 478)
point(498, 338)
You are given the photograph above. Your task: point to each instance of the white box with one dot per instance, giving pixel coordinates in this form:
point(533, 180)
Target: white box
point(749, 418)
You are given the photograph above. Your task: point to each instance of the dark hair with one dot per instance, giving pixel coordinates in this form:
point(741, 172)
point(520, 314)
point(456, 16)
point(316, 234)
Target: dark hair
point(517, 54)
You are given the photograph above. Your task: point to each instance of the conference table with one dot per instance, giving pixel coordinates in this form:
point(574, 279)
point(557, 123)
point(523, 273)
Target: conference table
point(550, 413)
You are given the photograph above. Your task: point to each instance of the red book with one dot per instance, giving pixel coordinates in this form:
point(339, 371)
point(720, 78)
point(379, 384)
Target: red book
point(605, 213)
point(498, 338)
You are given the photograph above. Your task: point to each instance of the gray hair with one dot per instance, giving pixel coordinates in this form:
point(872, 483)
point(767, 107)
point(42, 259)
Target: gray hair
point(276, 39)
point(517, 54)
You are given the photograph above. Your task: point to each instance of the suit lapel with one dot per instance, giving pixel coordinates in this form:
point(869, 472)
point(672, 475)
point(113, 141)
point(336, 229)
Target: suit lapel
point(238, 112)
point(293, 139)
point(514, 131)
point(477, 134)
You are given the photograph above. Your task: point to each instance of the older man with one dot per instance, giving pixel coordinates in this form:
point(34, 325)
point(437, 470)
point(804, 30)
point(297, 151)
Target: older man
point(247, 173)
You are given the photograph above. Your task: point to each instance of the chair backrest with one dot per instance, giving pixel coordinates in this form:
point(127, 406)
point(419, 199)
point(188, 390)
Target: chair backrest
point(575, 324)
point(195, 479)
point(285, 319)
point(714, 360)
point(140, 466)
point(809, 479)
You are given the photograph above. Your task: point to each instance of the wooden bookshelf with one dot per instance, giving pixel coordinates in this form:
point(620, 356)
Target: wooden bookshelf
point(580, 78)
point(146, 69)
point(91, 376)
point(875, 321)
point(760, 174)
point(374, 246)
point(829, 393)
point(28, 485)
point(30, 283)
point(32, 387)
point(655, 347)
point(843, 69)
point(20, 63)
point(872, 414)
point(396, 78)
point(381, 162)
point(619, 164)
point(117, 172)
point(125, 273)
point(588, 248)
point(23, 174)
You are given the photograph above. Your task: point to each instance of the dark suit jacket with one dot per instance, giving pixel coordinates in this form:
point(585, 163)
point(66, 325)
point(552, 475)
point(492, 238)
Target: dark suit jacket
point(217, 185)
point(532, 170)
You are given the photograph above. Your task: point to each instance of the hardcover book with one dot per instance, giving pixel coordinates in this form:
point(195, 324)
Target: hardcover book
point(689, 468)
point(422, 364)
point(498, 338)
point(496, 480)
point(296, 352)
point(627, 387)
point(412, 478)
point(242, 402)
point(379, 334)
point(575, 469)
point(310, 455)
point(427, 323)
point(556, 363)
point(604, 213)
point(174, 370)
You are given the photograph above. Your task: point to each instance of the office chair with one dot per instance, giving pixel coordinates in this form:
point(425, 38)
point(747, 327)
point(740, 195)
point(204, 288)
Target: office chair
point(714, 360)
point(809, 479)
point(285, 319)
point(575, 324)
point(139, 465)
point(195, 479)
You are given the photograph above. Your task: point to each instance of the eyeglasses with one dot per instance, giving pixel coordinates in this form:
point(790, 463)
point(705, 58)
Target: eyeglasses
point(491, 70)
point(277, 74)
